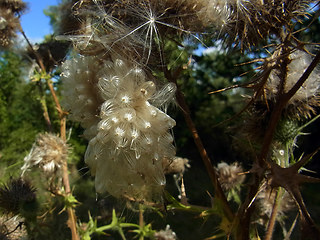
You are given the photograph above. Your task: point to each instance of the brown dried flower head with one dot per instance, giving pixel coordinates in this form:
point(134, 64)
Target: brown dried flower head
point(49, 152)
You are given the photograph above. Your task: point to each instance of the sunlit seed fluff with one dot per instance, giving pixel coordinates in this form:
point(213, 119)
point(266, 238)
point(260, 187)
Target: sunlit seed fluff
point(48, 152)
point(125, 156)
point(307, 97)
point(230, 175)
point(79, 92)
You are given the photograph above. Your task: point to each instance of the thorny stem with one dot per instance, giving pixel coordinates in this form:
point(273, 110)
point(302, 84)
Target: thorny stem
point(203, 153)
point(275, 117)
point(72, 220)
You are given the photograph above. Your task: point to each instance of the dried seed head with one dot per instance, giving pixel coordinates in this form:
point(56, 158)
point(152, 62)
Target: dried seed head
point(125, 156)
point(9, 24)
point(16, 193)
point(304, 101)
point(230, 175)
point(166, 234)
point(49, 152)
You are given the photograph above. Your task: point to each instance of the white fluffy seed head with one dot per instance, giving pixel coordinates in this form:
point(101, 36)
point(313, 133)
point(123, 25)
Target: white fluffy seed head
point(133, 135)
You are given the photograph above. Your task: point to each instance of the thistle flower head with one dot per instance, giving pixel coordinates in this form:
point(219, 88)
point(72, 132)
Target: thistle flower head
point(16, 193)
point(49, 152)
point(229, 175)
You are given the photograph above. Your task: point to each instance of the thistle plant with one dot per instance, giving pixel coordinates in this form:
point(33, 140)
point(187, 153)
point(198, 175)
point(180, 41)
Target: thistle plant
point(121, 77)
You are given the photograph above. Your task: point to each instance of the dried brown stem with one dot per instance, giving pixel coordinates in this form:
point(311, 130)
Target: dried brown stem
point(72, 221)
point(203, 153)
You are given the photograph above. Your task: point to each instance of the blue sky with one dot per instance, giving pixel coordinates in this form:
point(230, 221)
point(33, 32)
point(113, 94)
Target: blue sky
point(34, 22)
